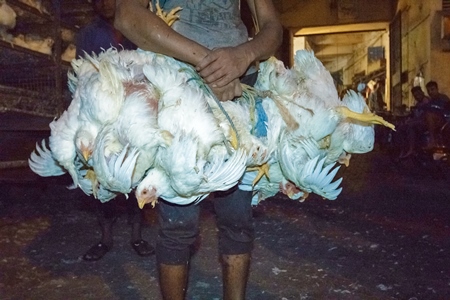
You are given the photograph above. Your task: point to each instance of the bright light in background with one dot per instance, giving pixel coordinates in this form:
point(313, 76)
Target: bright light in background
point(345, 51)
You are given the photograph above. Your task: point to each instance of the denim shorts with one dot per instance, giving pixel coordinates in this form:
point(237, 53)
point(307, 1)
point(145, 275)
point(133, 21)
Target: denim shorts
point(179, 226)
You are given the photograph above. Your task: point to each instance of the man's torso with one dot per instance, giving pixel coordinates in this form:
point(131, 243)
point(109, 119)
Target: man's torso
point(213, 24)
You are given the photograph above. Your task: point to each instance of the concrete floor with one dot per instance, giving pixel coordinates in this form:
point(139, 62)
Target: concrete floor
point(387, 236)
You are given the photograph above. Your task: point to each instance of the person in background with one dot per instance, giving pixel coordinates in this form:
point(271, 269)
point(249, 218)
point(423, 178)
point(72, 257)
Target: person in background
point(437, 98)
point(437, 109)
point(211, 36)
point(97, 36)
point(100, 34)
point(416, 126)
point(375, 99)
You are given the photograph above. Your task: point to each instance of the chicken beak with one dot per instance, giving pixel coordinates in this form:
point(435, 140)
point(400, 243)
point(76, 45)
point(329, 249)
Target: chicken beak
point(86, 154)
point(141, 203)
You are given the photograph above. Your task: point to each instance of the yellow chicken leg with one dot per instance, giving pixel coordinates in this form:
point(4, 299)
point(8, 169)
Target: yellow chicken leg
point(170, 17)
point(90, 174)
point(367, 117)
point(262, 170)
point(233, 139)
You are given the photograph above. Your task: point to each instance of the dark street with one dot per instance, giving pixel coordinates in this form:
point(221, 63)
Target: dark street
point(387, 236)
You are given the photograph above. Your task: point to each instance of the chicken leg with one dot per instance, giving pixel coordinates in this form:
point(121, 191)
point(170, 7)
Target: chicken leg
point(262, 170)
point(170, 17)
point(366, 117)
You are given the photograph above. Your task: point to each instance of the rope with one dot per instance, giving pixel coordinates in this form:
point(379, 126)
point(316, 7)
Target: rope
point(204, 86)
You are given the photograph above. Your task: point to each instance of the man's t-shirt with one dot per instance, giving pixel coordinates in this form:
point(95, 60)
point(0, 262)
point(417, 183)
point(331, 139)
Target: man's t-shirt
point(213, 24)
point(442, 102)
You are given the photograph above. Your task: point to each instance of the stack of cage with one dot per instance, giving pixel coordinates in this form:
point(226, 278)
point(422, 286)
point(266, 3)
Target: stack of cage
point(33, 81)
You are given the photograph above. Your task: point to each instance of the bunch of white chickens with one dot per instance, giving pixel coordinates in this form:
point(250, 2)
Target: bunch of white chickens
point(146, 122)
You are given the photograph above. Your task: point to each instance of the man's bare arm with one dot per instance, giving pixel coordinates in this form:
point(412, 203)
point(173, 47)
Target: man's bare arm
point(149, 32)
point(270, 35)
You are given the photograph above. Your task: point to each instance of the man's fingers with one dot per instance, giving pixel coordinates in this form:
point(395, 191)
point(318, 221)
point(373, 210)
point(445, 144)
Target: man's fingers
point(207, 71)
point(215, 79)
point(205, 62)
point(220, 82)
point(215, 75)
point(229, 91)
point(220, 67)
point(237, 90)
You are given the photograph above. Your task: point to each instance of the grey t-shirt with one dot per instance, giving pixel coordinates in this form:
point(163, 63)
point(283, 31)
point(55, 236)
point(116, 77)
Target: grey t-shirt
point(211, 23)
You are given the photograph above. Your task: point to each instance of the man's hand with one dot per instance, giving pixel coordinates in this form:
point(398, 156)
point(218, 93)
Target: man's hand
point(229, 91)
point(223, 65)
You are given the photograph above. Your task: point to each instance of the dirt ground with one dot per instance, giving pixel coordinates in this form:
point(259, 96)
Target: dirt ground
point(387, 236)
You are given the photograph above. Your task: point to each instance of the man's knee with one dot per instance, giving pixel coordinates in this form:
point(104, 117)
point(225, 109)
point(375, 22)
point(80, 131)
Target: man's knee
point(235, 222)
point(178, 232)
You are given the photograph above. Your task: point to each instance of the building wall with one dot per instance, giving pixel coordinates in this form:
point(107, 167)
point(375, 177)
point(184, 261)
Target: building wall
point(423, 50)
point(307, 13)
point(359, 63)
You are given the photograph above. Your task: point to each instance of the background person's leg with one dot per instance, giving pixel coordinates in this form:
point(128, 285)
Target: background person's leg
point(135, 219)
point(106, 216)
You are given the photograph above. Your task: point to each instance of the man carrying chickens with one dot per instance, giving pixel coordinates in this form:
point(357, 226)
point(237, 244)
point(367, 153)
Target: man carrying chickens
point(211, 36)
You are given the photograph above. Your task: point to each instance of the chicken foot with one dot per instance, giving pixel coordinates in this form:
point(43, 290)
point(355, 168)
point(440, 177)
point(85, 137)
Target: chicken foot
point(170, 17)
point(262, 170)
point(368, 117)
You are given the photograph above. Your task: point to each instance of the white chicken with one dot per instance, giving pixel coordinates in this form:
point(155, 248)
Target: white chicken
point(100, 92)
point(269, 186)
point(111, 169)
point(42, 162)
point(351, 136)
point(307, 101)
point(183, 105)
point(62, 134)
point(197, 158)
point(180, 177)
point(131, 119)
point(136, 125)
point(240, 116)
point(307, 119)
point(103, 94)
point(314, 78)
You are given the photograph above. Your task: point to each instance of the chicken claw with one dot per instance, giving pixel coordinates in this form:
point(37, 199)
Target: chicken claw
point(170, 17)
point(262, 170)
point(90, 174)
point(368, 117)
